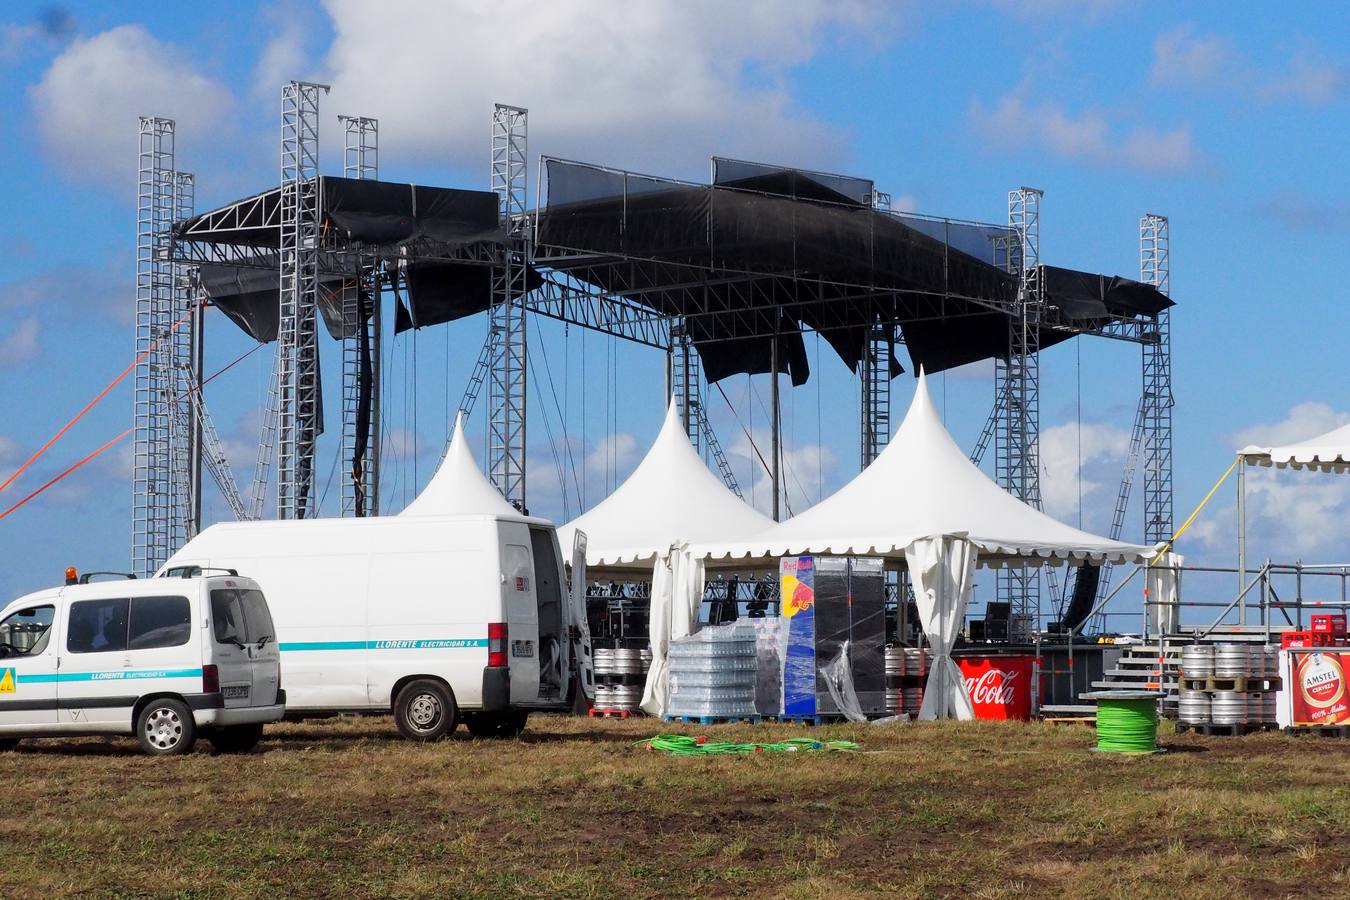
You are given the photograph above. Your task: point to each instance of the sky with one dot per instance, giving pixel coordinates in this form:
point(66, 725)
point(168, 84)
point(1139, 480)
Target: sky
point(1230, 120)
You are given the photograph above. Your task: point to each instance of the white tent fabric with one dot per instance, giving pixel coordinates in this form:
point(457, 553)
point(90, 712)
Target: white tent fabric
point(1328, 452)
point(1162, 582)
point(923, 485)
point(943, 573)
point(459, 487)
point(677, 595)
point(671, 496)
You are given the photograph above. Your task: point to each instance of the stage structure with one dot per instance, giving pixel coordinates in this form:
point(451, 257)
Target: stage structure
point(724, 277)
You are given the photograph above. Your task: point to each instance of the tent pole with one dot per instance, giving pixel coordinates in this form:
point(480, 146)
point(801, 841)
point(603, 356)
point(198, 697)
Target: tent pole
point(775, 424)
point(1242, 537)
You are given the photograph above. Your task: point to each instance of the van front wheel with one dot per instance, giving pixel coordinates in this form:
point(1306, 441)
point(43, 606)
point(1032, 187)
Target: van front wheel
point(8, 744)
point(165, 728)
point(425, 711)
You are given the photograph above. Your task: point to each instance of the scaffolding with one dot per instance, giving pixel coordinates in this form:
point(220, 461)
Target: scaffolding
point(874, 378)
point(506, 316)
point(1017, 384)
point(360, 478)
point(1155, 267)
point(298, 413)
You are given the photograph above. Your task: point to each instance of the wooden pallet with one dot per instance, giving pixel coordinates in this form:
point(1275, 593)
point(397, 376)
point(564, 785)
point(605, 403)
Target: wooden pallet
point(1071, 720)
point(1209, 729)
point(595, 713)
point(713, 720)
point(1341, 731)
point(817, 720)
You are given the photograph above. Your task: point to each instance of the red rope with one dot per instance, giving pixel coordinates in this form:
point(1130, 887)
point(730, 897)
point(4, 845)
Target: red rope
point(110, 443)
point(56, 437)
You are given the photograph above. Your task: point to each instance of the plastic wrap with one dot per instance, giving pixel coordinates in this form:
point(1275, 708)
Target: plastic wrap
point(838, 677)
point(769, 666)
point(712, 673)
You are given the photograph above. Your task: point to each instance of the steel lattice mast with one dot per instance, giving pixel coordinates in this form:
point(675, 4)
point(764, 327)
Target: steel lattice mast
point(1017, 381)
point(506, 317)
point(1155, 269)
point(298, 413)
point(360, 484)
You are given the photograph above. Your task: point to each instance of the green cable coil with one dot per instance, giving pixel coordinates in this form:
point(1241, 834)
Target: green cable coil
point(684, 745)
point(1127, 726)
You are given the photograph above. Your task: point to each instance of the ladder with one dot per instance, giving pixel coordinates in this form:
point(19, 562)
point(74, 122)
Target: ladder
point(214, 458)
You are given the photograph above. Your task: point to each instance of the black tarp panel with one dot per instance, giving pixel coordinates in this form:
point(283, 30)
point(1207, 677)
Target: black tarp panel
point(248, 296)
point(1086, 295)
point(442, 292)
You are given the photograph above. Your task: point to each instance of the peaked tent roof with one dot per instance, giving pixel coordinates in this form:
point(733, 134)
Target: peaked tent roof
point(923, 485)
point(671, 496)
point(1328, 452)
point(459, 487)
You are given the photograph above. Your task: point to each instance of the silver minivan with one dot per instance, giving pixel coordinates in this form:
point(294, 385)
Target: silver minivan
point(164, 659)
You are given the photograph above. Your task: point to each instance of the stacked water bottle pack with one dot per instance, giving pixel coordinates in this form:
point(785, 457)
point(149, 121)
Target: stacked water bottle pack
point(906, 674)
point(619, 675)
point(712, 674)
point(1228, 688)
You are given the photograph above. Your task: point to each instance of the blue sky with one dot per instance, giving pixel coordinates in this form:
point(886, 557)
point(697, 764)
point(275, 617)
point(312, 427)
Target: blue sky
point(1232, 123)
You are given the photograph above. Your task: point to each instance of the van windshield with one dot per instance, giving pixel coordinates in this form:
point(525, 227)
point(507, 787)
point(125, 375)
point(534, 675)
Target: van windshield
point(241, 617)
point(25, 633)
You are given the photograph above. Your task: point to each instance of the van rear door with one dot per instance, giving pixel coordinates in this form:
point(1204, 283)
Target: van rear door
point(522, 616)
point(262, 641)
point(229, 645)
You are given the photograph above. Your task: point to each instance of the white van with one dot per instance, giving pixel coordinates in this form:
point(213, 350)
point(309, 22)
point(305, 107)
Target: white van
point(435, 618)
point(165, 660)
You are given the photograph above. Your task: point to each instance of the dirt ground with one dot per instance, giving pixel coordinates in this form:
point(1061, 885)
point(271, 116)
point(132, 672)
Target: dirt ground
point(575, 809)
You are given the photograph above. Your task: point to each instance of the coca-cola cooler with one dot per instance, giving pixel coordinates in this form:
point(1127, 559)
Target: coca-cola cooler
point(999, 685)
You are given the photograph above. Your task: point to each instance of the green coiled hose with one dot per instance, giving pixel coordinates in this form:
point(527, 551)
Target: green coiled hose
point(1127, 726)
point(685, 745)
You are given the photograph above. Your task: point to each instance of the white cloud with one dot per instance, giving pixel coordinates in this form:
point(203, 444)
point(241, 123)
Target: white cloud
point(284, 56)
point(1098, 464)
point(613, 456)
point(804, 466)
point(88, 101)
point(1086, 10)
point(1186, 58)
point(1305, 420)
point(655, 86)
point(74, 291)
point(20, 345)
point(1088, 136)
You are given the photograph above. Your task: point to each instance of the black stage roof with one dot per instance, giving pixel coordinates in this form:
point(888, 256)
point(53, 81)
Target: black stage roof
point(762, 251)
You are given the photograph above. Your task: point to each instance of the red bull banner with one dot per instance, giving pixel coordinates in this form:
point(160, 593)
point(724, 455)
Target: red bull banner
point(999, 686)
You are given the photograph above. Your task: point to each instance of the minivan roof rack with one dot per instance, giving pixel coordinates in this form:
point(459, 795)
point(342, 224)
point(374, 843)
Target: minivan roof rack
point(84, 579)
point(195, 571)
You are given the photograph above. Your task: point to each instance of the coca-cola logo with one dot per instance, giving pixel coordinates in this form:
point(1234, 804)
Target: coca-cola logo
point(994, 686)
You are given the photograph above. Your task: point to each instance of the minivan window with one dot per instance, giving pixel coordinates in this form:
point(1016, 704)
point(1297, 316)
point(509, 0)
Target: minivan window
point(241, 616)
point(26, 631)
point(159, 622)
point(97, 626)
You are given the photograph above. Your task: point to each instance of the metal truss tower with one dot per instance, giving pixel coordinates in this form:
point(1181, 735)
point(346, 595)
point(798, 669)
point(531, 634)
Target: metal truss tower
point(1017, 382)
point(1155, 269)
point(686, 385)
point(180, 356)
point(876, 394)
point(506, 317)
point(360, 487)
point(152, 538)
point(298, 413)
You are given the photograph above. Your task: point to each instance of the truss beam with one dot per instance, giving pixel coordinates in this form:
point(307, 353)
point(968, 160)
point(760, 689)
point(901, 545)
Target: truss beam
point(506, 316)
point(360, 493)
point(1155, 265)
point(298, 412)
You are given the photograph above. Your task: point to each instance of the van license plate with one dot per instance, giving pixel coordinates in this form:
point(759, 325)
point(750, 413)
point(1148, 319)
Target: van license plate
point(522, 649)
point(235, 692)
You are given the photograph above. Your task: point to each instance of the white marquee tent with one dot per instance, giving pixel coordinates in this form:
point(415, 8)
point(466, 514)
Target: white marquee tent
point(1328, 452)
point(459, 487)
point(924, 501)
point(670, 497)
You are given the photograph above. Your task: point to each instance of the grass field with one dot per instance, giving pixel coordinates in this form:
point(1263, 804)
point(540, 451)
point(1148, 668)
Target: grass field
point(572, 809)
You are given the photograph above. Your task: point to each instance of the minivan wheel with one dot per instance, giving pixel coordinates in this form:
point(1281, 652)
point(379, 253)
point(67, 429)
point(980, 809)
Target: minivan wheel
point(165, 728)
point(425, 711)
point(497, 725)
point(8, 744)
point(236, 738)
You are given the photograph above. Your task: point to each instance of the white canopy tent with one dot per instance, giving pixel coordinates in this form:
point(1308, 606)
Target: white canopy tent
point(459, 487)
point(670, 497)
point(1328, 452)
point(923, 500)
